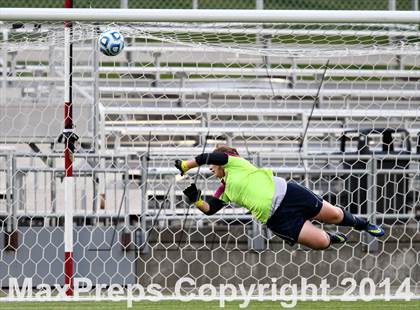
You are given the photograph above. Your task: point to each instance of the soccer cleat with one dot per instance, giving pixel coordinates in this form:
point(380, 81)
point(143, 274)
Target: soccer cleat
point(374, 230)
point(337, 237)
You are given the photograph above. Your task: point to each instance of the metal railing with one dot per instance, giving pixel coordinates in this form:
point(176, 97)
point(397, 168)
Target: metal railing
point(36, 190)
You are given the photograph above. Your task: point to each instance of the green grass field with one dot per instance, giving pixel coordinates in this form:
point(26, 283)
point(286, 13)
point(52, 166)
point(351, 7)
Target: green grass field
point(178, 305)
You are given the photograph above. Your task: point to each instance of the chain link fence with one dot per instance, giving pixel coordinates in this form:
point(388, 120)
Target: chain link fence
point(222, 4)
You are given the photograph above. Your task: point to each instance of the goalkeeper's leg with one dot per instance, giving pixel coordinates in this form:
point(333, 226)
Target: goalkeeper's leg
point(330, 214)
point(318, 239)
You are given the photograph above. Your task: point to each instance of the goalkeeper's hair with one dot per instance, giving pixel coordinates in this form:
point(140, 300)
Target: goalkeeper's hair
point(226, 149)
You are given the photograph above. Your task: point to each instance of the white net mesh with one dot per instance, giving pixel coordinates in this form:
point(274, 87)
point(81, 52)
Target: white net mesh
point(177, 87)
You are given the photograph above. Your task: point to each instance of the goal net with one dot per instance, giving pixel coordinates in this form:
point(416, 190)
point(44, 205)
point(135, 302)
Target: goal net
point(176, 90)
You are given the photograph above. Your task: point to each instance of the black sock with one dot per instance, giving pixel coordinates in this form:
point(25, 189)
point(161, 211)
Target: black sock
point(353, 221)
point(333, 238)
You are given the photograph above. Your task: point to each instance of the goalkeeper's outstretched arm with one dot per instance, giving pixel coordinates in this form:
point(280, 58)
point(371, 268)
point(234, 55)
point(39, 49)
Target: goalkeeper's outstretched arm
point(215, 158)
point(208, 207)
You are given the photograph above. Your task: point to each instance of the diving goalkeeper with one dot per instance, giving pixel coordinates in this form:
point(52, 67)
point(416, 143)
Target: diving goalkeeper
point(287, 208)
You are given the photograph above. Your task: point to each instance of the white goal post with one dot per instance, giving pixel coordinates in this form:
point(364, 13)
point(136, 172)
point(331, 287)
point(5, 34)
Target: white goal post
point(189, 79)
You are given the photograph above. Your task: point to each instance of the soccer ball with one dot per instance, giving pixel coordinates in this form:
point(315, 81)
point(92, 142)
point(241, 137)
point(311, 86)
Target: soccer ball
point(111, 42)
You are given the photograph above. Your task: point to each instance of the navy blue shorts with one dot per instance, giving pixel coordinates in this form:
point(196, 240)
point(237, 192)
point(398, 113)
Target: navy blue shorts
point(298, 205)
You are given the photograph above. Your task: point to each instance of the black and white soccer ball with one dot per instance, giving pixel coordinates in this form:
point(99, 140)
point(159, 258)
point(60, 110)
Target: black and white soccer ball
point(111, 42)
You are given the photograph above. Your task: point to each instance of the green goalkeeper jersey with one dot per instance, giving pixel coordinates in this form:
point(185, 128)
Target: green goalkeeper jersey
point(249, 187)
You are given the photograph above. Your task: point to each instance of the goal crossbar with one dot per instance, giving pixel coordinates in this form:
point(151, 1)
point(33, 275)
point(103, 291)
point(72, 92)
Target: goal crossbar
point(185, 15)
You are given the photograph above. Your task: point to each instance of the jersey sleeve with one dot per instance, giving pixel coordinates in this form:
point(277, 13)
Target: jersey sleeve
point(215, 158)
point(215, 205)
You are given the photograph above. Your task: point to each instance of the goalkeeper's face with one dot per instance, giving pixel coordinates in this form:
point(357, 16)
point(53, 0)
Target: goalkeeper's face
point(218, 171)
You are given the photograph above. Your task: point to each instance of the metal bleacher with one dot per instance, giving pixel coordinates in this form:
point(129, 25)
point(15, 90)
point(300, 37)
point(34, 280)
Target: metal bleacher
point(169, 98)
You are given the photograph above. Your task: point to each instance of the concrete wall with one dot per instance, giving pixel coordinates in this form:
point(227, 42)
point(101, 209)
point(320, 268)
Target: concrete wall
point(219, 253)
point(40, 256)
point(225, 257)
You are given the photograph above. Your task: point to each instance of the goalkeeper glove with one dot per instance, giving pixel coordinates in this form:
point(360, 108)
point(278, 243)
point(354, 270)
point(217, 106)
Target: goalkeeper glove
point(181, 165)
point(193, 195)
